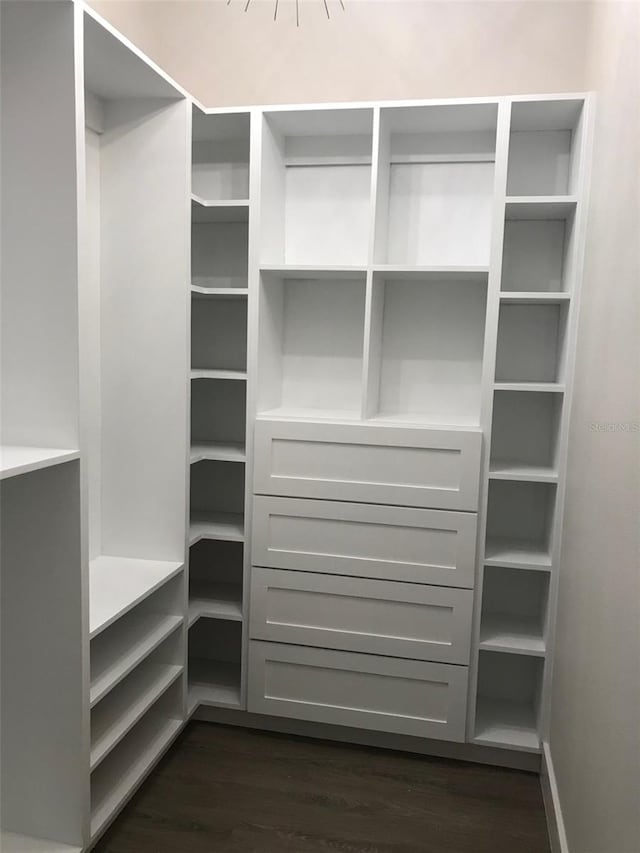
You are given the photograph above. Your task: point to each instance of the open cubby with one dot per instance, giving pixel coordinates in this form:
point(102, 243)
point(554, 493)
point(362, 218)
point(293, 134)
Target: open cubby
point(543, 147)
point(514, 610)
point(524, 434)
point(508, 700)
point(519, 523)
point(435, 185)
point(219, 255)
point(427, 345)
point(214, 667)
point(310, 345)
point(217, 487)
point(220, 155)
point(215, 580)
point(316, 172)
point(531, 343)
point(219, 334)
point(535, 255)
point(218, 412)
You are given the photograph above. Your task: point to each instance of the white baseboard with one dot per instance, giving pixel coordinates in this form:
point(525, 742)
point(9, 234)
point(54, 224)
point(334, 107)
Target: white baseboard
point(552, 808)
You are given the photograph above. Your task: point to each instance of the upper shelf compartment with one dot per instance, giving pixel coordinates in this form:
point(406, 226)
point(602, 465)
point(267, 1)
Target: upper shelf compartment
point(220, 156)
point(435, 185)
point(316, 187)
point(543, 147)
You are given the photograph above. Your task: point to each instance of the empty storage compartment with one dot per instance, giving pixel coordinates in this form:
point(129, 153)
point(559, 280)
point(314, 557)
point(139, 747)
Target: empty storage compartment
point(217, 501)
point(435, 185)
point(218, 415)
point(215, 654)
point(524, 434)
point(316, 186)
point(544, 147)
point(514, 610)
point(219, 334)
point(519, 523)
point(215, 580)
point(508, 700)
point(310, 345)
point(426, 348)
point(219, 256)
point(536, 255)
point(531, 343)
point(220, 156)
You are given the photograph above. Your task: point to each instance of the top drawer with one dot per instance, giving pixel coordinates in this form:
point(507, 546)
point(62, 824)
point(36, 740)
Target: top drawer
point(369, 464)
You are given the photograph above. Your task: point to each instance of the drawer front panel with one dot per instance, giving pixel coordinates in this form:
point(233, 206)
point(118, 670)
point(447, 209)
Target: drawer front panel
point(361, 615)
point(388, 543)
point(344, 688)
point(356, 462)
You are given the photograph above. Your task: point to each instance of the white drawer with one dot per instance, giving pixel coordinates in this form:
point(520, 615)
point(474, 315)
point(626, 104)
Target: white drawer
point(373, 464)
point(361, 615)
point(344, 688)
point(360, 540)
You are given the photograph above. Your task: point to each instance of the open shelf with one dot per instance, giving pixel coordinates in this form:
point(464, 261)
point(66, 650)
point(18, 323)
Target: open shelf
point(15, 460)
point(536, 258)
point(230, 210)
point(227, 375)
point(218, 412)
point(542, 147)
point(219, 335)
point(220, 155)
point(114, 717)
point(316, 168)
point(223, 451)
point(204, 292)
point(121, 648)
point(217, 501)
point(532, 387)
point(514, 607)
point(317, 273)
point(533, 298)
point(125, 768)
point(531, 343)
point(224, 526)
point(117, 584)
point(467, 274)
point(425, 355)
point(219, 257)
point(435, 184)
point(215, 651)
point(519, 524)
point(540, 207)
point(215, 580)
point(215, 601)
point(310, 344)
point(508, 701)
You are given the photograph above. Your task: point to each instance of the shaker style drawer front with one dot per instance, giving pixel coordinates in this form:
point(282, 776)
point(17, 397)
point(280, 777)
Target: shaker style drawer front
point(368, 691)
point(361, 615)
point(356, 462)
point(388, 543)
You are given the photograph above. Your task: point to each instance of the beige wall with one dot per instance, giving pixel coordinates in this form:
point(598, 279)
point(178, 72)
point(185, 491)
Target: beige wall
point(379, 50)
point(595, 722)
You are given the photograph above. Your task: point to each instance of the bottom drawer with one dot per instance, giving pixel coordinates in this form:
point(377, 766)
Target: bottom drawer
point(350, 689)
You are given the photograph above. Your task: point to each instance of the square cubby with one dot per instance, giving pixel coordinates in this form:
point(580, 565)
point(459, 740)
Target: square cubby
point(514, 610)
point(218, 412)
point(520, 519)
point(536, 256)
point(215, 580)
point(525, 432)
point(220, 156)
point(219, 334)
point(531, 343)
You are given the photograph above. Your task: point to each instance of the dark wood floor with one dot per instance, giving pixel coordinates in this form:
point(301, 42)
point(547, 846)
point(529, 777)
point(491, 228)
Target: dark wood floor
point(228, 790)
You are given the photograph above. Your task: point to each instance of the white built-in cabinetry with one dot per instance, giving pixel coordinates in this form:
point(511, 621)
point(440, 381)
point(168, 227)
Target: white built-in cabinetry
point(285, 399)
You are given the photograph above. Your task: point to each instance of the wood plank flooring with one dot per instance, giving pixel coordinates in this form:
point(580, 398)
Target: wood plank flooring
point(231, 790)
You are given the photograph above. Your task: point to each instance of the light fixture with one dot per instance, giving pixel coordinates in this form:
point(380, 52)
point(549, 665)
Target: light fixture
point(276, 3)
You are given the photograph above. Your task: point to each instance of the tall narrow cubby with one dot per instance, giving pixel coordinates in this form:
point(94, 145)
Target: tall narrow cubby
point(543, 149)
point(220, 179)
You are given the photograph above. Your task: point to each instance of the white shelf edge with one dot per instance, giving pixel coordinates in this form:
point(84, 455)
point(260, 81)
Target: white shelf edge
point(511, 554)
point(534, 387)
point(217, 451)
point(522, 473)
point(219, 202)
point(18, 459)
point(205, 373)
point(220, 292)
point(506, 724)
point(220, 526)
point(203, 602)
point(534, 297)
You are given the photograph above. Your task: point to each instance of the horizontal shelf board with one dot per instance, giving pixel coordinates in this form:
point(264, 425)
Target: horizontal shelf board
point(540, 207)
point(409, 273)
point(506, 724)
point(424, 419)
point(314, 272)
point(504, 470)
point(533, 297)
point(127, 768)
point(13, 842)
point(214, 683)
point(131, 644)
point(213, 210)
point(539, 387)
point(16, 459)
point(116, 584)
point(290, 412)
point(215, 601)
point(137, 696)
point(219, 292)
point(510, 634)
point(227, 451)
point(204, 373)
point(517, 554)
point(226, 526)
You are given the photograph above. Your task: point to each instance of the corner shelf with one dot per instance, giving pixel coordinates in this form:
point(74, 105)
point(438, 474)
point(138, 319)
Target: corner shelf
point(213, 682)
point(309, 271)
point(205, 373)
point(16, 459)
point(540, 207)
point(507, 470)
point(225, 526)
point(116, 584)
point(517, 554)
point(221, 451)
point(506, 724)
point(227, 210)
point(511, 634)
point(200, 292)
point(215, 601)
